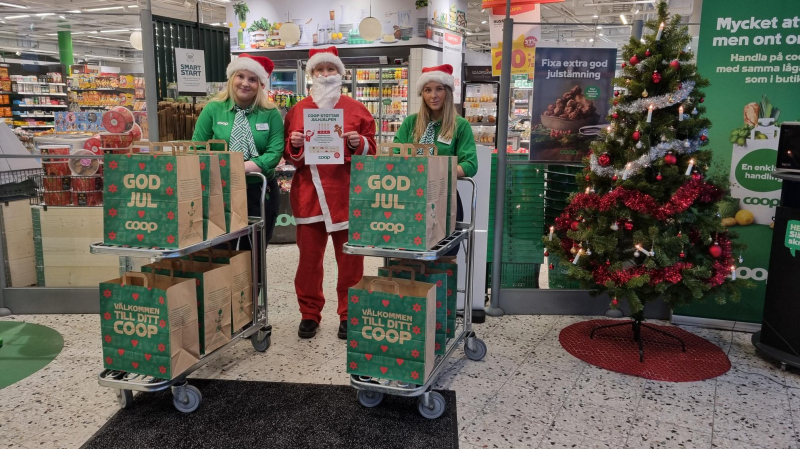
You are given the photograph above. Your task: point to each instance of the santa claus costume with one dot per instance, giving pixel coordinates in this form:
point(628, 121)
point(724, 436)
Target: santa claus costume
point(320, 194)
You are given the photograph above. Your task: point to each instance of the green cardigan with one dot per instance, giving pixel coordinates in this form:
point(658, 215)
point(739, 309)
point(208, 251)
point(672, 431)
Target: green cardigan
point(462, 145)
point(216, 122)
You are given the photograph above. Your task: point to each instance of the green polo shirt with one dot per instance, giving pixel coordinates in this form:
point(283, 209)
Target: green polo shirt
point(216, 122)
point(462, 145)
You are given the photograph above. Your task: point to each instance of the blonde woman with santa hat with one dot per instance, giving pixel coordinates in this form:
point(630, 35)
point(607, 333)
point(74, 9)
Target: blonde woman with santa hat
point(438, 123)
point(320, 193)
point(243, 116)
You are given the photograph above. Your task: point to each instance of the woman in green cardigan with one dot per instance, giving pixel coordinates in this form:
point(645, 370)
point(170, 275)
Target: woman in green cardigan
point(243, 116)
point(438, 123)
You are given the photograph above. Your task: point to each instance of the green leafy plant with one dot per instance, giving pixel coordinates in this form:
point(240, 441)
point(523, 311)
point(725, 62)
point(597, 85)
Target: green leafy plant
point(421, 4)
point(767, 110)
point(259, 25)
point(241, 9)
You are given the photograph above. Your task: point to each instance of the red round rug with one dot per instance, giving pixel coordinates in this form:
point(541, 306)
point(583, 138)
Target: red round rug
point(615, 350)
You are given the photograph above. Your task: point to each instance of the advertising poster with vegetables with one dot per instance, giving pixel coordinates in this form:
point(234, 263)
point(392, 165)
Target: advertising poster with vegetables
point(571, 96)
point(750, 54)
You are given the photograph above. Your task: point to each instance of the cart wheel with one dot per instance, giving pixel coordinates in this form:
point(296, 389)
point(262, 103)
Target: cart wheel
point(437, 406)
point(480, 349)
point(125, 399)
point(369, 398)
point(186, 398)
point(261, 341)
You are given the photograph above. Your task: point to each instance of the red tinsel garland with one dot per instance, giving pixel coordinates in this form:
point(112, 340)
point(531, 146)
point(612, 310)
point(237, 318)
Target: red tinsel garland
point(722, 266)
point(671, 274)
point(684, 197)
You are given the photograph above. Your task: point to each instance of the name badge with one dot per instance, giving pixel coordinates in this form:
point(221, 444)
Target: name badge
point(222, 123)
point(444, 141)
point(262, 126)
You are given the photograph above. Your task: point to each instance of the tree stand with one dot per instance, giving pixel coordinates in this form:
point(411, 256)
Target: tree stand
point(637, 324)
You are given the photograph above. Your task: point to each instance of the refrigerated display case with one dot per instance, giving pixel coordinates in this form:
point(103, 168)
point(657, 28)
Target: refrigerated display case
point(480, 110)
point(284, 81)
point(384, 92)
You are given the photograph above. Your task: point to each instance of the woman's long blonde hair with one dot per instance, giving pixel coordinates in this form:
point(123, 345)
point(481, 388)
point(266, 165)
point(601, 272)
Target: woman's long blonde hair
point(448, 126)
point(262, 99)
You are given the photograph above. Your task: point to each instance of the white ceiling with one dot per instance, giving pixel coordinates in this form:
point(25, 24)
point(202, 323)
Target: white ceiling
point(600, 20)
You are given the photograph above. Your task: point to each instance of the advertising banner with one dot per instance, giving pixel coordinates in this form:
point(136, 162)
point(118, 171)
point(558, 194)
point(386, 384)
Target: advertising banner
point(323, 143)
point(78, 121)
point(749, 53)
point(523, 47)
point(452, 48)
point(572, 89)
point(190, 68)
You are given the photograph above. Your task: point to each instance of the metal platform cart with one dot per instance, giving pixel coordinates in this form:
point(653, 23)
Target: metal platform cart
point(187, 398)
point(431, 404)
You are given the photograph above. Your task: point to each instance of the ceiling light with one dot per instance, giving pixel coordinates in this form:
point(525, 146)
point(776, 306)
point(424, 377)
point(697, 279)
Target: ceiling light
point(133, 6)
point(20, 16)
point(601, 34)
point(107, 39)
point(624, 20)
point(595, 16)
point(483, 21)
point(591, 40)
point(114, 31)
point(636, 12)
point(483, 10)
point(599, 27)
point(45, 14)
point(109, 8)
point(62, 17)
point(11, 5)
point(74, 11)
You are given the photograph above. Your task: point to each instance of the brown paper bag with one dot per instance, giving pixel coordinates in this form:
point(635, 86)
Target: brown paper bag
point(211, 184)
point(241, 276)
point(234, 187)
point(149, 324)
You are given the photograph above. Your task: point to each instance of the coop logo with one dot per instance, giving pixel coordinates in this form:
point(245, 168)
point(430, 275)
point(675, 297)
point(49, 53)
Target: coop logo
point(572, 152)
point(323, 158)
point(391, 335)
point(530, 42)
point(756, 274)
point(190, 57)
point(771, 202)
point(452, 39)
point(148, 226)
point(140, 329)
point(390, 227)
point(285, 220)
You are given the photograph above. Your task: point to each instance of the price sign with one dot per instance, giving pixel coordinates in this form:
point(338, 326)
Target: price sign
point(523, 55)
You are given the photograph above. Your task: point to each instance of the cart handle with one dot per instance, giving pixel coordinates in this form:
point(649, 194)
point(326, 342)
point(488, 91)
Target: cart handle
point(382, 281)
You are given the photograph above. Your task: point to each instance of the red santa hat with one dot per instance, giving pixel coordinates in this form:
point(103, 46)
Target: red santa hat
point(260, 65)
point(320, 55)
point(441, 74)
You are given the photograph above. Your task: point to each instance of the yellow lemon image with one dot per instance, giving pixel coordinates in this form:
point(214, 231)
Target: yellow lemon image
point(744, 217)
point(728, 222)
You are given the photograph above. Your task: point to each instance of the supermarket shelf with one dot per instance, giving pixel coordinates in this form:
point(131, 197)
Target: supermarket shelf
point(483, 123)
point(101, 89)
point(98, 107)
point(41, 84)
point(368, 81)
point(3, 92)
point(56, 94)
point(368, 98)
point(35, 116)
point(40, 105)
point(35, 126)
point(470, 104)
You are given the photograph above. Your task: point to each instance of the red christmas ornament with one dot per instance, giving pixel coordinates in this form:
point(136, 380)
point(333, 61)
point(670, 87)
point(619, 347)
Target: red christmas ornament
point(680, 86)
point(551, 266)
point(546, 253)
point(715, 250)
point(636, 135)
point(659, 177)
point(614, 178)
point(614, 302)
point(681, 255)
point(703, 138)
point(623, 65)
point(670, 159)
point(675, 64)
point(616, 93)
point(604, 160)
point(615, 115)
point(697, 176)
point(656, 77)
point(628, 226)
point(608, 262)
point(616, 102)
point(702, 99)
point(634, 60)
point(647, 53)
point(574, 225)
point(588, 177)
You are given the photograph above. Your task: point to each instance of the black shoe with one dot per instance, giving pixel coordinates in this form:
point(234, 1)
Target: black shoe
point(308, 329)
point(342, 334)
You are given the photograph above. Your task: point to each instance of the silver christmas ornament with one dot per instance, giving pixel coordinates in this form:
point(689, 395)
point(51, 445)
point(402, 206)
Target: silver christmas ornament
point(639, 145)
point(686, 143)
point(694, 111)
point(614, 227)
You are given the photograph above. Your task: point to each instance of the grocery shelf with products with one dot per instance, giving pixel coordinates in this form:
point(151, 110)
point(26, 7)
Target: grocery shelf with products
point(100, 91)
point(480, 96)
point(384, 92)
point(29, 96)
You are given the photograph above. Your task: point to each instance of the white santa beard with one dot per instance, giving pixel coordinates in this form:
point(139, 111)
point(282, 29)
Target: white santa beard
point(326, 91)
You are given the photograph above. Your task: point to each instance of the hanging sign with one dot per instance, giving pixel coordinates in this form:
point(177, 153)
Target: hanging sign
point(452, 54)
point(525, 37)
point(190, 68)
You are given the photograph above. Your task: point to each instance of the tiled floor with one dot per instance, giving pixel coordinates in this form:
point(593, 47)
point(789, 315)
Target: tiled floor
point(527, 392)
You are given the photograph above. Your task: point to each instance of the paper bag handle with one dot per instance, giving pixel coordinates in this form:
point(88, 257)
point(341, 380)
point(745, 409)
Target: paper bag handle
point(394, 268)
point(386, 149)
point(134, 274)
point(427, 149)
point(382, 281)
point(223, 142)
point(416, 263)
point(140, 143)
point(159, 147)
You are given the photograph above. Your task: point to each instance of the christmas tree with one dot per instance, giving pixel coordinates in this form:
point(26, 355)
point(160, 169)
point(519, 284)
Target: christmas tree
point(645, 225)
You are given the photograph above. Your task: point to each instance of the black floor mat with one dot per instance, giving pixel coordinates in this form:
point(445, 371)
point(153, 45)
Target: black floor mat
point(273, 415)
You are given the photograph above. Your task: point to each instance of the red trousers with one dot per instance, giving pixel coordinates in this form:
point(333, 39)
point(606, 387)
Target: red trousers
point(312, 240)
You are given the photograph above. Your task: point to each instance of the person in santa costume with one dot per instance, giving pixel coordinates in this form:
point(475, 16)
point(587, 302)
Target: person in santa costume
point(438, 123)
point(320, 193)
